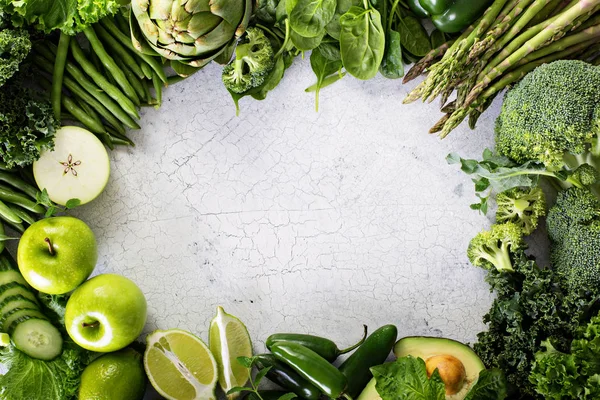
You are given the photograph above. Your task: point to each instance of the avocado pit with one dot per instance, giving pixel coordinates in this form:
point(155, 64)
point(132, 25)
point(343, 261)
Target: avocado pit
point(451, 370)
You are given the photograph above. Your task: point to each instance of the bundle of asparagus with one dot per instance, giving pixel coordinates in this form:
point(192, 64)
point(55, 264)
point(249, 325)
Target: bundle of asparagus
point(512, 38)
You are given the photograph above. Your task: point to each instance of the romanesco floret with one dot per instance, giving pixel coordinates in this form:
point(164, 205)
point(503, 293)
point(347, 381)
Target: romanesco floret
point(252, 63)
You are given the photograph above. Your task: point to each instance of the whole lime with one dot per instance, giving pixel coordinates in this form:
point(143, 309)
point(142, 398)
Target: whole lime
point(114, 376)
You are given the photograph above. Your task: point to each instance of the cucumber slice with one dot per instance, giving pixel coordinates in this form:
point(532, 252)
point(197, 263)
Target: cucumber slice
point(10, 275)
point(7, 319)
point(77, 168)
point(13, 289)
point(36, 337)
point(16, 301)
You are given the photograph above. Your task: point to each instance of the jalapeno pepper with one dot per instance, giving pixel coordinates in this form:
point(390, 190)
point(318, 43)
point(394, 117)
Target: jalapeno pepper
point(311, 367)
point(372, 352)
point(449, 15)
point(286, 377)
point(322, 346)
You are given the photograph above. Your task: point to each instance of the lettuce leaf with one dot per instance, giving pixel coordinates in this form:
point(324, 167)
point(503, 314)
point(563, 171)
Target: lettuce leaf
point(70, 16)
point(406, 379)
point(27, 378)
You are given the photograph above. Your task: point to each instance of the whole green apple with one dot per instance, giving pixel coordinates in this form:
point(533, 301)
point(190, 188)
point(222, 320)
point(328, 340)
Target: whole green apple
point(106, 313)
point(55, 255)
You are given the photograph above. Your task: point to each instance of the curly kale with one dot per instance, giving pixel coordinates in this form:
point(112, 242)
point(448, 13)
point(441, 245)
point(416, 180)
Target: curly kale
point(14, 47)
point(523, 207)
point(27, 123)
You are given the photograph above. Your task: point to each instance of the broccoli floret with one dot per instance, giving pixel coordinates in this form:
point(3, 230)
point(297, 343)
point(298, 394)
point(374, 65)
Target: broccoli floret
point(584, 175)
point(252, 63)
point(574, 232)
point(523, 207)
point(553, 111)
point(492, 249)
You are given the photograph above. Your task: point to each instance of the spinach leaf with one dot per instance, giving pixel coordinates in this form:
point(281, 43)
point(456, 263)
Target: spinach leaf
point(266, 10)
point(437, 38)
point(330, 50)
point(413, 36)
point(491, 385)
point(333, 28)
point(392, 66)
point(362, 42)
point(303, 43)
point(289, 7)
point(323, 68)
point(406, 379)
point(271, 81)
point(309, 17)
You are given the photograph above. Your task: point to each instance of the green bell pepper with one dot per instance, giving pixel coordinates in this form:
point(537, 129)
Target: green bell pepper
point(449, 16)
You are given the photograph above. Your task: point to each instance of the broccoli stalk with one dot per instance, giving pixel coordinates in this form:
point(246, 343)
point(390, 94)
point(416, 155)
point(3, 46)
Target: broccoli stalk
point(523, 207)
point(493, 249)
point(252, 63)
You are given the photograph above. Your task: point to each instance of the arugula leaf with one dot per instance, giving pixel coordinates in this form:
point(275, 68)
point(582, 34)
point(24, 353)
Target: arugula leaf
point(491, 385)
point(70, 16)
point(406, 379)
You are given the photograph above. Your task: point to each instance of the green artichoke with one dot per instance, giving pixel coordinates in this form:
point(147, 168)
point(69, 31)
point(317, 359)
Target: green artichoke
point(189, 32)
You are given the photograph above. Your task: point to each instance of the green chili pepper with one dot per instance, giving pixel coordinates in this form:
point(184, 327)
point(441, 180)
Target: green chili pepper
point(322, 346)
point(373, 352)
point(449, 15)
point(266, 395)
point(286, 377)
point(311, 367)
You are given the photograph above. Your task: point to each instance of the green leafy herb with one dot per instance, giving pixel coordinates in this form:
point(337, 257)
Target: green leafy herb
point(362, 42)
point(491, 385)
point(43, 199)
point(406, 379)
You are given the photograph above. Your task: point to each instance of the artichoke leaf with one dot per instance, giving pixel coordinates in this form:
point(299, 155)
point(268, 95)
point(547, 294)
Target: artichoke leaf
point(202, 23)
point(246, 20)
point(231, 11)
point(197, 6)
point(138, 39)
point(159, 9)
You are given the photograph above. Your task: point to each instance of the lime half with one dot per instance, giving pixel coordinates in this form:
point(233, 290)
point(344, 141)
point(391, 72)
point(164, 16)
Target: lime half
point(229, 339)
point(180, 366)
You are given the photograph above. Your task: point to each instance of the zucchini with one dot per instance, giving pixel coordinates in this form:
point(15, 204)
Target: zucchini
point(15, 288)
point(7, 319)
point(36, 337)
point(16, 301)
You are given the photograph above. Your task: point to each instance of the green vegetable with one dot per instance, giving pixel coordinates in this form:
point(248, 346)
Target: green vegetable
point(14, 47)
point(324, 347)
point(570, 375)
point(523, 207)
point(253, 62)
point(58, 72)
point(324, 68)
point(493, 249)
point(491, 385)
point(312, 367)
point(27, 123)
point(309, 17)
point(391, 66)
point(362, 42)
point(413, 36)
point(286, 377)
point(373, 351)
point(192, 33)
point(450, 15)
point(70, 16)
point(406, 379)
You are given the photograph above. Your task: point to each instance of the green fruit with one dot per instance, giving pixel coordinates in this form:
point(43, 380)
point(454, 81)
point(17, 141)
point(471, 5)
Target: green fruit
point(114, 376)
point(106, 313)
point(55, 255)
point(77, 168)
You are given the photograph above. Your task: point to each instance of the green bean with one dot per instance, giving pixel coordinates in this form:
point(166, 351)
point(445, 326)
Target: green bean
point(157, 89)
point(8, 215)
point(2, 233)
point(146, 70)
point(110, 65)
point(65, 116)
point(147, 94)
point(126, 41)
point(117, 135)
point(102, 135)
point(133, 79)
point(119, 142)
point(10, 196)
point(121, 52)
point(96, 61)
point(20, 184)
point(17, 227)
point(101, 81)
point(123, 23)
point(58, 73)
point(24, 215)
point(174, 79)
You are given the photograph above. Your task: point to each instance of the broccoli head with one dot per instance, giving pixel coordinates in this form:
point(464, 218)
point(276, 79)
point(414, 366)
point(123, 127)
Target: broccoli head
point(523, 207)
point(253, 61)
point(493, 249)
point(553, 111)
point(574, 232)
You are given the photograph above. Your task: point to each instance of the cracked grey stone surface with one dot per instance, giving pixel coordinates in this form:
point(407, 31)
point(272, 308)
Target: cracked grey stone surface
point(296, 220)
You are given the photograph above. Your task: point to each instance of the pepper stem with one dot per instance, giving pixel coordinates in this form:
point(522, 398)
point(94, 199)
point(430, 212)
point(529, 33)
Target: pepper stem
point(349, 349)
point(50, 248)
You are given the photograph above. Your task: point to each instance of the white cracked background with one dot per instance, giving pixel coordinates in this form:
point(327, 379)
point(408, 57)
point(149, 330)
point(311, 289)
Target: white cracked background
point(296, 220)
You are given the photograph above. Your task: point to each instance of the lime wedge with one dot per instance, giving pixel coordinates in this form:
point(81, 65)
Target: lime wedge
point(4, 339)
point(229, 339)
point(180, 366)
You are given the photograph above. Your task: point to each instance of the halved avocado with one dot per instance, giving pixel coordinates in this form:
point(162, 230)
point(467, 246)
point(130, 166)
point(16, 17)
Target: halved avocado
point(457, 363)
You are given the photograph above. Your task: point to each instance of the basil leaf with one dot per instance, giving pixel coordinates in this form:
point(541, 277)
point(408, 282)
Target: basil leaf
point(309, 17)
point(392, 66)
point(362, 42)
point(413, 36)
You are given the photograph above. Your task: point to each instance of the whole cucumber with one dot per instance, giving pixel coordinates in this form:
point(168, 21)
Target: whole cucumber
point(372, 352)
